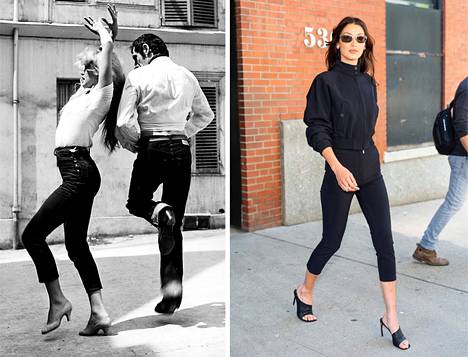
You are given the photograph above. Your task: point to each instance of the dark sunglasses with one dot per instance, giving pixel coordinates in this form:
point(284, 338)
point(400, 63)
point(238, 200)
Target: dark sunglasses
point(349, 38)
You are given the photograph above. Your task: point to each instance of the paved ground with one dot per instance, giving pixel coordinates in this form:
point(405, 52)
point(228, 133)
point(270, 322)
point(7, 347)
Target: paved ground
point(432, 301)
point(129, 269)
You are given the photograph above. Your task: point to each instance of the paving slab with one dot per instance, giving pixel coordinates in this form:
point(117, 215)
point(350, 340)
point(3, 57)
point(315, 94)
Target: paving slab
point(432, 301)
point(129, 269)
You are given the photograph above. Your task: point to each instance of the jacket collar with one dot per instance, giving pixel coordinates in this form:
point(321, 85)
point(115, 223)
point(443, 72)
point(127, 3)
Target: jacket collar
point(346, 68)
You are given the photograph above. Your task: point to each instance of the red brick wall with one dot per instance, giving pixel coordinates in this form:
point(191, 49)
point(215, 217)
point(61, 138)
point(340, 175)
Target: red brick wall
point(275, 70)
point(455, 53)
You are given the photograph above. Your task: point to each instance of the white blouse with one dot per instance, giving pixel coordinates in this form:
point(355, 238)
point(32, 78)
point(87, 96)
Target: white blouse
point(81, 116)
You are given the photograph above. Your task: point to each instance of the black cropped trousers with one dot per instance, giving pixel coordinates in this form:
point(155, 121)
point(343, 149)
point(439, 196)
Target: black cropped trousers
point(373, 200)
point(70, 204)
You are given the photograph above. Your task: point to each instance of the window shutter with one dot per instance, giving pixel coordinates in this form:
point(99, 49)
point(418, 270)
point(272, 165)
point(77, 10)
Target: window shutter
point(204, 13)
point(65, 89)
point(206, 145)
point(197, 13)
point(176, 12)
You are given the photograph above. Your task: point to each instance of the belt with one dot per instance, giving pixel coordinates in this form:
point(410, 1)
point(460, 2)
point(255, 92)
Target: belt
point(71, 150)
point(165, 137)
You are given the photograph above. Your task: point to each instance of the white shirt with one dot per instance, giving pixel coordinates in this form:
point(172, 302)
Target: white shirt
point(81, 116)
point(158, 98)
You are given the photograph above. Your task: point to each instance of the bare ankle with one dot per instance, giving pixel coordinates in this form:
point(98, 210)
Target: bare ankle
point(58, 301)
point(391, 314)
point(304, 290)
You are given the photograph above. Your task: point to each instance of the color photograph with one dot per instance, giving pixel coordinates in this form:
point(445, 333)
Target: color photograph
point(348, 178)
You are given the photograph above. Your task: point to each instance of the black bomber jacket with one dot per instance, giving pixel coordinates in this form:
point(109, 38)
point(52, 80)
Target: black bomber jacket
point(460, 117)
point(341, 109)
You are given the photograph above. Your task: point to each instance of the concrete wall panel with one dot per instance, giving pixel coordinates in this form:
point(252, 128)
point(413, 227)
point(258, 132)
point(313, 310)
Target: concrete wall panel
point(6, 128)
point(42, 61)
point(407, 181)
point(132, 13)
point(6, 10)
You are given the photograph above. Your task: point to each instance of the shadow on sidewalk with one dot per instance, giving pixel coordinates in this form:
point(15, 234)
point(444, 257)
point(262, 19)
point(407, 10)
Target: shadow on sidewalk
point(130, 282)
point(201, 316)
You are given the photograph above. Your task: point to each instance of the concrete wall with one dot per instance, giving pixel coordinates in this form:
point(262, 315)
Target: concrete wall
point(6, 136)
point(42, 61)
point(407, 181)
point(132, 13)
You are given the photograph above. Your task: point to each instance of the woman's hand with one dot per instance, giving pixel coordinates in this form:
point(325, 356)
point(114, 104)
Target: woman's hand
point(114, 27)
point(95, 26)
point(105, 53)
point(345, 179)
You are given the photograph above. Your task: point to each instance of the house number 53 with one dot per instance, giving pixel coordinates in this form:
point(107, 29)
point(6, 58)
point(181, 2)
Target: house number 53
point(317, 38)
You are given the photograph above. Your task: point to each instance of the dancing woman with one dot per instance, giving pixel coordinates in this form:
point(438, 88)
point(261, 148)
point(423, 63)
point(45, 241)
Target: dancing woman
point(95, 102)
point(341, 114)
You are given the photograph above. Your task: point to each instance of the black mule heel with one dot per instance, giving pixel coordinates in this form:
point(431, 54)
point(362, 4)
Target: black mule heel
point(302, 308)
point(397, 337)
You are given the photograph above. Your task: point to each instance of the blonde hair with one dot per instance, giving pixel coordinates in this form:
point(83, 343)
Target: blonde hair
point(87, 56)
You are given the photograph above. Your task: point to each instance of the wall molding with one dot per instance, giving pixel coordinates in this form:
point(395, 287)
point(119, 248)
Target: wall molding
point(79, 32)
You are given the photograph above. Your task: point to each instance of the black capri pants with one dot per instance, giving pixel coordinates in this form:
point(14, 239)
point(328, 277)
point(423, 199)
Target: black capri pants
point(70, 204)
point(373, 200)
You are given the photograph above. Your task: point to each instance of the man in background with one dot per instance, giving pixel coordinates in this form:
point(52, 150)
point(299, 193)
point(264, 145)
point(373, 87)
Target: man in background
point(458, 186)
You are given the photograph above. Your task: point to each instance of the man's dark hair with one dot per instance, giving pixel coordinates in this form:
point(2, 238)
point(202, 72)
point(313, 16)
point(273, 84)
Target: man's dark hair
point(155, 43)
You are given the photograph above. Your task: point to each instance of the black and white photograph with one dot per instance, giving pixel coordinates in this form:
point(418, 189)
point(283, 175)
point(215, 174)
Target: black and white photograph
point(112, 211)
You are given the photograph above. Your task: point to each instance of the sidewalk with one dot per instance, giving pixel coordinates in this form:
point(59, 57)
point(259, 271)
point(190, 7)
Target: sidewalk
point(129, 269)
point(267, 265)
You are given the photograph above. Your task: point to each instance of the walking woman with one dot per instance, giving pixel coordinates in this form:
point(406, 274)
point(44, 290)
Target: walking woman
point(340, 116)
point(95, 102)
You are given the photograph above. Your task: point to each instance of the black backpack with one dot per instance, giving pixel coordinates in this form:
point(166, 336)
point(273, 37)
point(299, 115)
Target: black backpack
point(443, 131)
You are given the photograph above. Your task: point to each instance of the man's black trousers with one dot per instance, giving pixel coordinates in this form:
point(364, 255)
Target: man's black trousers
point(168, 163)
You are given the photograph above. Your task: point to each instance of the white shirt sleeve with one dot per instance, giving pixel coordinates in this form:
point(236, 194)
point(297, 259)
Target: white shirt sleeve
point(100, 99)
point(127, 130)
point(202, 114)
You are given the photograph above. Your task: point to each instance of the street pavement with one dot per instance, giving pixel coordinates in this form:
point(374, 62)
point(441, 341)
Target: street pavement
point(267, 265)
point(129, 269)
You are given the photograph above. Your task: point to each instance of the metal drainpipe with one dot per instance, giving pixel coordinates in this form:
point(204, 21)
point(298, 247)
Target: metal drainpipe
point(15, 10)
point(16, 209)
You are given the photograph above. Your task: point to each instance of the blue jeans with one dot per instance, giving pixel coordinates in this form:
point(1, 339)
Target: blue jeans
point(458, 187)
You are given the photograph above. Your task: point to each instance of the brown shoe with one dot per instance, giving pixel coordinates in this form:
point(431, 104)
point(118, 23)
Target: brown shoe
point(428, 256)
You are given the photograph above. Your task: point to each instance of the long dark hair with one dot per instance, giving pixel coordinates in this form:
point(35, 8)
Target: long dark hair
point(110, 121)
point(366, 61)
